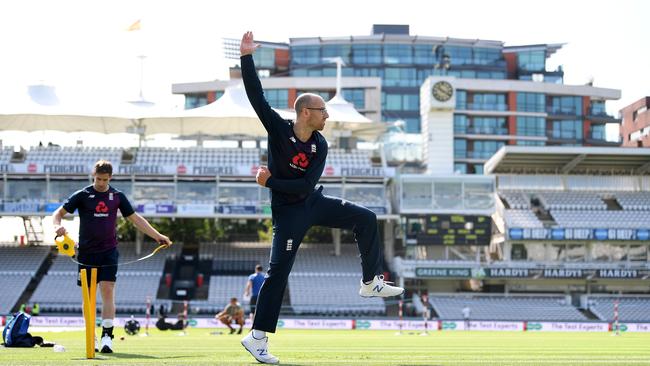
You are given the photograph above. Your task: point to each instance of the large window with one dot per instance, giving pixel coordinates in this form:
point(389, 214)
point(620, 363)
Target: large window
point(598, 132)
point(417, 195)
point(144, 192)
point(531, 102)
point(369, 71)
point(400, 77)
point(461, 99)
point(238, 195)
point(488, 126)
point(277, 98)
point(490, 75)
point(305, 55)
point(196, 192)
point(531, 126)
point(571, 130)
point(484, 149)
point(423, 54)
point(447, 195)
point(597, 108)
point(460, 148)
point(460, 123)
point(458, 55)
point(400, 102)
point(566, 105)
point(195, 100)
point(486, 56)
point(356, 97)
point(366, 195)
point(264, 58)
point(532, 60)
point(337, 50)
point(59, 190)
point(368, 54)
point(489, 102)
point(398, 54)
point(27, 190)
point(530, 143)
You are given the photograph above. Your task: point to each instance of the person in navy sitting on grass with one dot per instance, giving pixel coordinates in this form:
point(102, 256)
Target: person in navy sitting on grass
point(98, 204)
point(296, 157)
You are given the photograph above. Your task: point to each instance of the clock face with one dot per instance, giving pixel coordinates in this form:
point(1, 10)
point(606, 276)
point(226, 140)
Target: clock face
point(442, 91)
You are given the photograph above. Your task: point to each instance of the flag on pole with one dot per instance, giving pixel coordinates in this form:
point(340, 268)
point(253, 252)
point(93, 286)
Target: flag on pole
point(134, 27)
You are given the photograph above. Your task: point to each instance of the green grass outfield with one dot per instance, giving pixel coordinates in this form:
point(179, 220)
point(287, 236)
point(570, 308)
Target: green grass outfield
point(350, 347)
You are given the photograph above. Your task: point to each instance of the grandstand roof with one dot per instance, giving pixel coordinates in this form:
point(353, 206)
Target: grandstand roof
point(569, 160)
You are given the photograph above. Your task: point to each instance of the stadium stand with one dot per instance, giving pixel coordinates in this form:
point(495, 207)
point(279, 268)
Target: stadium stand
point(538, 308)
point(602, 219)
point(315, 271)
point(72, 155)
point(306, 292)
point(630, 308)
point(197, 156)
point(13, 285)
point(22, 260)
point(522, 218)
point(5, 154)
point(353, 158)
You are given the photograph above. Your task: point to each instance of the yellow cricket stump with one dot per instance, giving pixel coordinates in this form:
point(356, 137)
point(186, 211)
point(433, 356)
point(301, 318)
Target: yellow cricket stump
point(89, 295)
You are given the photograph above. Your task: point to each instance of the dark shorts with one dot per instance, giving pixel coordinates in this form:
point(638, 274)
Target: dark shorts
point(253, 303)
point(108, 259)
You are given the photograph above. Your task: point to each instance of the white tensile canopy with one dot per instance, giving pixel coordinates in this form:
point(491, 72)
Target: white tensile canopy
point(231, 115)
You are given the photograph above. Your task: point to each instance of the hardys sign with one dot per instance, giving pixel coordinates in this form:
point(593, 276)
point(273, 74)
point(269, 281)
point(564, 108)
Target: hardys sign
point(532, 273)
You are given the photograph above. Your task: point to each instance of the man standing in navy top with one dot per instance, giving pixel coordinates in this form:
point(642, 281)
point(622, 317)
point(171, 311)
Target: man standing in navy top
point(296, 156)
point(98, 205)
point(253, 286)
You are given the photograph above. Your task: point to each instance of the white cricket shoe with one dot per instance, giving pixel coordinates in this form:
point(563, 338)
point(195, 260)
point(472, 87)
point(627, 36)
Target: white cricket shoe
point(106, 345)
point(379, 288)
point(259, 348)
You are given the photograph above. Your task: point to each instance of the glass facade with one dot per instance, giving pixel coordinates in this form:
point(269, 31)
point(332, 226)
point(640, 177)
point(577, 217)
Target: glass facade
point(531, 102)
point(278, 98)
point(567, 130)
point(531, 126)
point(195, 100)
point(566, 105)
point(402, 66)
point(532, 60)
point(264, 58)
point(356, 97)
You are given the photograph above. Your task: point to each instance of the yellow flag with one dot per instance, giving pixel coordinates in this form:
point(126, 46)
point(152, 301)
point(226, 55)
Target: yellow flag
point(134, 27)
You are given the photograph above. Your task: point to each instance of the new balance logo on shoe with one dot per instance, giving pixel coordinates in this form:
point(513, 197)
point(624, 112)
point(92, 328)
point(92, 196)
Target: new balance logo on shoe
point(379, 288)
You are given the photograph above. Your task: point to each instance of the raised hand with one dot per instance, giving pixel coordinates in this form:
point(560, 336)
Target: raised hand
point(263, 174)
point(248, 46)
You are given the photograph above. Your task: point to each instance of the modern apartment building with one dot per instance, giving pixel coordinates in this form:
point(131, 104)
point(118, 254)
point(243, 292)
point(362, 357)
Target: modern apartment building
point(635, 129)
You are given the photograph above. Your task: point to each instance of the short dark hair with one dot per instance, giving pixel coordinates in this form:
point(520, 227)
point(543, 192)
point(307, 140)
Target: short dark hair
point(233, 299)
point(103, 167)
point(259, 267)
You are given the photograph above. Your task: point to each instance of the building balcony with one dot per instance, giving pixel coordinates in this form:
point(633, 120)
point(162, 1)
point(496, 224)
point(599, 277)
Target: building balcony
point(484, 107)
point(481, 130)
point(563, 112)
point(598, 138)
point(601, 116)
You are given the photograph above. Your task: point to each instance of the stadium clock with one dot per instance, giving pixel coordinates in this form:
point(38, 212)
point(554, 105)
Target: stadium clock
point(442, 91)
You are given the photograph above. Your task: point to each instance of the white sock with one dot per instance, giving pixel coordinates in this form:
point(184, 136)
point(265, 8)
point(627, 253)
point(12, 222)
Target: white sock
point(107, 323)
point(259, 334)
